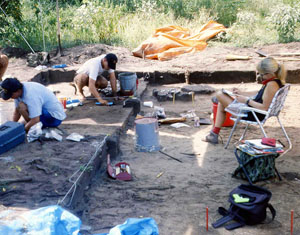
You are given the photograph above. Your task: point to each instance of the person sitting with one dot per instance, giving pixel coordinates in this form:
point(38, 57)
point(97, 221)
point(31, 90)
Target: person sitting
point(34, 102)
point(3, 65)
point(89, 74)
point(272, 75)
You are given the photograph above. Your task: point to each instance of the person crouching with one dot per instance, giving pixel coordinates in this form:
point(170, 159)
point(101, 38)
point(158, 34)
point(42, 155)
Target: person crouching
point(34, 102)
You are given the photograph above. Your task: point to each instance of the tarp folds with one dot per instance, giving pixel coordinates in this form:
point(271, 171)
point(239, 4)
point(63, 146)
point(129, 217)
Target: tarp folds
point(171, 41)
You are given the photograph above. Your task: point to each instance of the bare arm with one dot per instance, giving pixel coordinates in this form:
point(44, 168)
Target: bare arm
point(268, 95)
point(3, 65)
point(16, 116)
point(31, 123)
point(245, 93)
point(113, 83)
point(93, 90)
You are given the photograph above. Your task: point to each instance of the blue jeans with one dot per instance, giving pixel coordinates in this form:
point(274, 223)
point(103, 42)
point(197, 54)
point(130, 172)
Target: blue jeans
point(48, 120)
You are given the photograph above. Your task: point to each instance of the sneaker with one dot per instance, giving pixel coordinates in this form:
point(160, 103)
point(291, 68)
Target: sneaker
point(212, 138)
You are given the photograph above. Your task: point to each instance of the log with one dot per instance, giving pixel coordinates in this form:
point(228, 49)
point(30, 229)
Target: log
point(237, 57)
point(10, 181)
point(171, 120)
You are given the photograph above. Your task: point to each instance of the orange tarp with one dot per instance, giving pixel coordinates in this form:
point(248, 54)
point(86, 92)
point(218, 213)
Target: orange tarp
point(171, 41)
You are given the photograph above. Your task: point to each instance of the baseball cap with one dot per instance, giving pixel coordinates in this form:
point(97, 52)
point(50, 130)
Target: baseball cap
point(112, 59)
point(9, 86)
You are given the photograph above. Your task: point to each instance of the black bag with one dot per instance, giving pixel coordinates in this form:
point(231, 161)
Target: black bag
point(249, 205)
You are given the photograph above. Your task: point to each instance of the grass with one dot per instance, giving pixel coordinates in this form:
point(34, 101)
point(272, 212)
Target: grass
point(129, 22)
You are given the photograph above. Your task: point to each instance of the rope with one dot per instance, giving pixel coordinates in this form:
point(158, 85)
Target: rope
point(74, 185)
point(17, 30)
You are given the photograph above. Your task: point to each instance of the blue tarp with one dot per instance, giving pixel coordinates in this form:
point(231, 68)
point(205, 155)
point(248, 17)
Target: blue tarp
point(54, 220)
point(50, 220)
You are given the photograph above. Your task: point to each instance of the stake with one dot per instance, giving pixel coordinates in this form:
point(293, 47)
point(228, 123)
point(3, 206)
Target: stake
point(206, 218)
point(193, 98)
point(174, 98)
point(176, 159)
point(292, 221)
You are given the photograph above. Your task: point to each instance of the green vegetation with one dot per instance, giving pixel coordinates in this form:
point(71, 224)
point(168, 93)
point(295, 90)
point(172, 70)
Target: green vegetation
point(129, 22)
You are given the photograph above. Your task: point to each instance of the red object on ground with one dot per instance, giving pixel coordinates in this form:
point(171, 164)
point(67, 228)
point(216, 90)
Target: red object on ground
point(121, 171)
point(206, 218)
point(292, 221)
point(228, 122)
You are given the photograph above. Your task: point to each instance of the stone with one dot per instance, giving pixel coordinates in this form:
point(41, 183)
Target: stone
point(198, 89)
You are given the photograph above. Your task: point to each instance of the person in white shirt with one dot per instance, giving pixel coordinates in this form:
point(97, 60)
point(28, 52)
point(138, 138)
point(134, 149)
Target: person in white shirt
point(89, 74)
point(34, 102)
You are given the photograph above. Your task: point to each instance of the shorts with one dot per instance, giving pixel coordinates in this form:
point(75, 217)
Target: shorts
point(48, 120)
point(251, 117)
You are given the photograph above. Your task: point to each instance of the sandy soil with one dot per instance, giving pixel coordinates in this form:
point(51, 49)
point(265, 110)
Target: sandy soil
point(211, 59)
point(178, 198)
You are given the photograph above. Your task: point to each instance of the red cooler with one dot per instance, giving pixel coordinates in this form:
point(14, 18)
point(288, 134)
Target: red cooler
point(228, 122)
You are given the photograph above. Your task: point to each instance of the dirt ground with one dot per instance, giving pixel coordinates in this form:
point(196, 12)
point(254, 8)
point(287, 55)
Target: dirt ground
point(211, 59)
point(178, 198)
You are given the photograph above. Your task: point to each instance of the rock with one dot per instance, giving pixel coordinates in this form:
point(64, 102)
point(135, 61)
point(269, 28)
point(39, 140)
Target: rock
point(198, 89)
point(39, 58)
point(14, 52)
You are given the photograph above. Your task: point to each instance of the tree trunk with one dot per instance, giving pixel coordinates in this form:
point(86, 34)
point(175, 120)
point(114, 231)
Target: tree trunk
point(59, 48)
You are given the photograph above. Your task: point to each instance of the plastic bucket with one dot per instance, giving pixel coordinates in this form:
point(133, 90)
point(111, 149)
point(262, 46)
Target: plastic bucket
point(128, 83)
point(147, 136)
point(228, 122)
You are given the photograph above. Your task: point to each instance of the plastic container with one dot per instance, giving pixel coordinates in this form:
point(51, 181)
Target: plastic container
point(128, 83)
point(63, 101)
point(11, 135)
point(228, 122)
point(59, 66)
point(147, 136)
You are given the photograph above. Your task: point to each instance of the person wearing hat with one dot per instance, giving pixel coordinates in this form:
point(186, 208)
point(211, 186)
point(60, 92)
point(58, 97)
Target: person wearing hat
point(34, 102)
point(89, 74)
point(3, 65)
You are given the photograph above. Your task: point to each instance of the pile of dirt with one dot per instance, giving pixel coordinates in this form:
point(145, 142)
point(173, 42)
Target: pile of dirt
point(210, 59)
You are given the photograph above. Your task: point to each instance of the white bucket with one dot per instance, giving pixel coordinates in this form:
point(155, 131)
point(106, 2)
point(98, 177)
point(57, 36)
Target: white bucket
point(147, 135)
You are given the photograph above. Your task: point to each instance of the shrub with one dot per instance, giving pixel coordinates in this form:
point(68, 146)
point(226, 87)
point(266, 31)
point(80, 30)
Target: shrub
point(285, 18)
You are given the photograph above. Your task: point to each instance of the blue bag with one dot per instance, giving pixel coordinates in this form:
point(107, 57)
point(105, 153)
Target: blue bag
point(133, 226)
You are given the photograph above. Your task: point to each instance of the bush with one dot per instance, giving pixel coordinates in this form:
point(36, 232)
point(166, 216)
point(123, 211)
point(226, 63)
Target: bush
point(285, 18)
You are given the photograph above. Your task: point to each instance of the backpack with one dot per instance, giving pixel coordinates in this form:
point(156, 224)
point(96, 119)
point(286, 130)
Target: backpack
point(248, 206)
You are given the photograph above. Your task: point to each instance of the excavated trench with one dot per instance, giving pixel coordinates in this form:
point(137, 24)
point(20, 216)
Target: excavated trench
point(92, 162)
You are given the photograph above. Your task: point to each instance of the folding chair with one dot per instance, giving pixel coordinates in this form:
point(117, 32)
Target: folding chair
point(273, 111)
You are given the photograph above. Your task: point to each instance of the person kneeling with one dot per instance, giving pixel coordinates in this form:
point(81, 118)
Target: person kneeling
point(272, 76)
point(34, 102)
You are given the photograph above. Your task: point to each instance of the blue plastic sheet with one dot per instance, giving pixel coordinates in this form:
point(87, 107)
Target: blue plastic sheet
point(133, 226)
point(51, 220)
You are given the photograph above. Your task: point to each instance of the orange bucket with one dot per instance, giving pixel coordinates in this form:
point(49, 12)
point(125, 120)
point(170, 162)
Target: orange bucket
point(228, 122)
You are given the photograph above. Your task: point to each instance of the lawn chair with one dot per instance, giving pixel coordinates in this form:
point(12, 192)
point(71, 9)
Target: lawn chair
point(273, 111)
